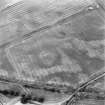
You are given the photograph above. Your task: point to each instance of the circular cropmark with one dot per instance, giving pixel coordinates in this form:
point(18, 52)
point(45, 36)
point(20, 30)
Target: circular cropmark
point(47, 57)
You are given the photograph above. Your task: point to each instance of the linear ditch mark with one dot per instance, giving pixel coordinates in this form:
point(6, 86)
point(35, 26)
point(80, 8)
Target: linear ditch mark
point(61, 21)
point(57, 23)
point(49, 26)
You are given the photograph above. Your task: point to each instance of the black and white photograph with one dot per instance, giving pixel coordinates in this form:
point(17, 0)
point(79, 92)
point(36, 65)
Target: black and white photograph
point(52, 52)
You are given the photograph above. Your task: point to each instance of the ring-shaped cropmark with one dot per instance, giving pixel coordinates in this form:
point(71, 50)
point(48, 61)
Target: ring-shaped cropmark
point(47, 57)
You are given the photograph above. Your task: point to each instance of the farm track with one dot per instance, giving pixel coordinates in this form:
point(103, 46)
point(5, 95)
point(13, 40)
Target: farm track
point(90, 81)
